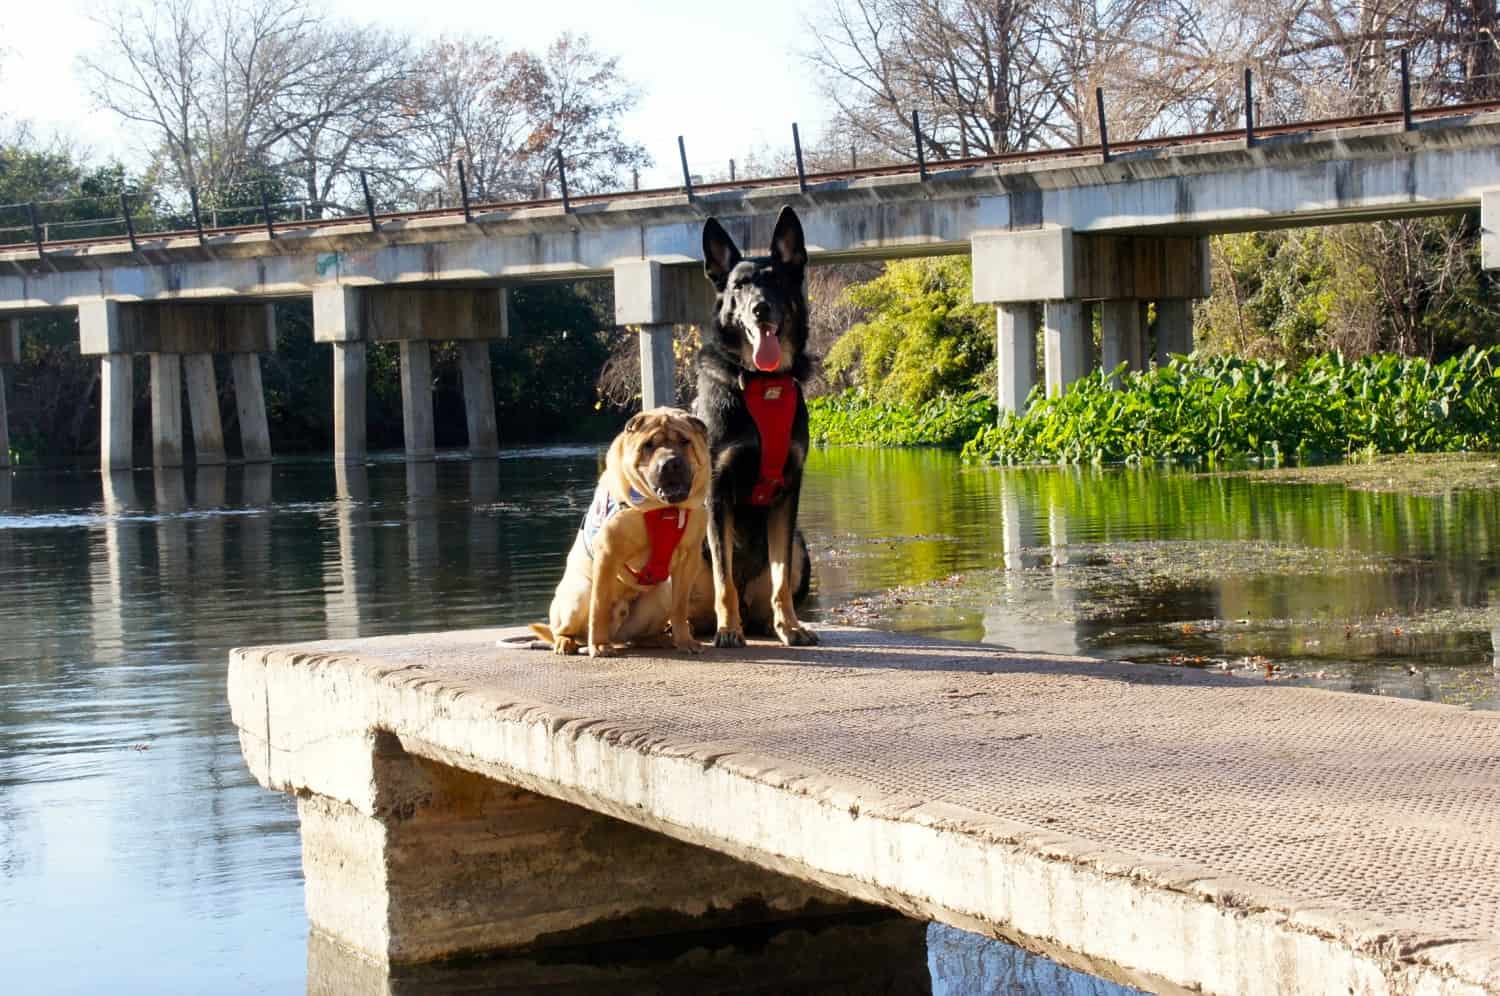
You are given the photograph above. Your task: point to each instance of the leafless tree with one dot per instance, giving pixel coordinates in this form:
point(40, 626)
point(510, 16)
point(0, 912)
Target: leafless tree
point(229, 92)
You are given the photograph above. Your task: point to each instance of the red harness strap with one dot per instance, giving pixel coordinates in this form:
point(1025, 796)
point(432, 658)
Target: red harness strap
point(773, 405)
point(664, 528)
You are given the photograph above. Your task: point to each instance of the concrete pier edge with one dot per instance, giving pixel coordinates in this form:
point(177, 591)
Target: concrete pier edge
point(1160, 923)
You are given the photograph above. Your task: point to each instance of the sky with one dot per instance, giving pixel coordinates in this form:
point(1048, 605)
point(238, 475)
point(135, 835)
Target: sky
point(694, 62)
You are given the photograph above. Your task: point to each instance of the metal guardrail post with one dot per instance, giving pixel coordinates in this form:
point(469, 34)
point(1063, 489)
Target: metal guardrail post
point(463, 191)
point(1405, 90)
point(687, 178)
point(916, 134)
point(797, 145)
point(197, 218)
point(265, 212)
point(36, 229)
point(1249, 108)
point(129, 222)
point(562, 181)
point(364, 184)
point(1103, 127)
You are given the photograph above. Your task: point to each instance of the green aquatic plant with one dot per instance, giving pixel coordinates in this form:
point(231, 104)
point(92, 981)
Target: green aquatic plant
point(854, 418)
point(1215, 408)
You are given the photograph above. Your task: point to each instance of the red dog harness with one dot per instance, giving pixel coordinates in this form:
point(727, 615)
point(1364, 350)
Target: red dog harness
point(773, 406)
point(664, 527)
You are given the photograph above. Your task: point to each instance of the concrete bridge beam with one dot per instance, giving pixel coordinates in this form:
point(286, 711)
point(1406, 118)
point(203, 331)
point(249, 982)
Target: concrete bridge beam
point(203, 408)
point(10, 352)
point(653, 298)
point(1015, 349)
point(166, 409)
point(416, 399)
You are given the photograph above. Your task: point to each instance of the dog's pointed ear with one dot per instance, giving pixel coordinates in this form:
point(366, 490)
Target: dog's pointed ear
point(788, 248)
point(720, 254)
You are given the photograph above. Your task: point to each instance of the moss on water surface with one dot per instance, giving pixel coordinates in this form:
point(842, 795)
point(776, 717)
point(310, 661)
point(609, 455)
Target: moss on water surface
point(1425, 474)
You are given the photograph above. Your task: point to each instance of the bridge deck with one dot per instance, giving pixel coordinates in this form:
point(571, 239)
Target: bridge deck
point(1201, 830)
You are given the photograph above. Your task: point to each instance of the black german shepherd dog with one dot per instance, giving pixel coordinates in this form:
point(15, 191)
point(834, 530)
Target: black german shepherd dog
point(750, 374)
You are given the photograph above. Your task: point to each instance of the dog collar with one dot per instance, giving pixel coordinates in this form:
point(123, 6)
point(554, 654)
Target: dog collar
point(772, 401)
point(664, 528)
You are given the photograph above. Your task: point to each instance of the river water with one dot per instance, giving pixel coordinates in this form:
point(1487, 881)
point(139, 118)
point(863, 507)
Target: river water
point(138, 856)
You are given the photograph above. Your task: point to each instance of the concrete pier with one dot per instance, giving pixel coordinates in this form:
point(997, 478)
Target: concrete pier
point(1174, 329)
point(1169, 829)
point(1068, 347)
point(1121, 338)
point(479, 398)
point(250, 403)
point(658, 366)
point(10, 352)
point(1015, 352)
point(652, 297)
point(166, 409)
point(349, 402)
point(416, 399)
point(203, 408)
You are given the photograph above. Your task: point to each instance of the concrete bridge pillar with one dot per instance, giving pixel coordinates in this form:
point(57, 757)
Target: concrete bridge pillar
point(1174, 328)
point(416, 398)
point(180, 337)
point(1015, 353)
point(1068, 345)
point(652, 298)
point(203, 407)
point(166, 409)
point(479, 397)
point(1121, 335)
point(414, 316)
point(10, 352)
point(250, 402)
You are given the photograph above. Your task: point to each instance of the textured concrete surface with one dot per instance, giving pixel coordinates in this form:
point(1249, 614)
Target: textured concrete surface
point(1190, 830)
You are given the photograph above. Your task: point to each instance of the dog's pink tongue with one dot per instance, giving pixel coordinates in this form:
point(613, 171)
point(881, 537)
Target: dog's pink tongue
point(767, 350)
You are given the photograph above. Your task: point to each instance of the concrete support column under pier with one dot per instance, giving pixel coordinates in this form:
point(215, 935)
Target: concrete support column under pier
point(1120, 335)
point(203, 406)
point(116, 411)
point(479, 397)
point(652, 297)
point(658, 366)
point(10, 352)
point(416, 399)
point(166, 409)
point(250, 402)
point(1068, 349)
point(1015, 353)
point(349, 402)
point(517, 870)
point(1174, 328)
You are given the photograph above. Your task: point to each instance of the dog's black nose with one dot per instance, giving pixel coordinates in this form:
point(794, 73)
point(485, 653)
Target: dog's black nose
point(762, 311)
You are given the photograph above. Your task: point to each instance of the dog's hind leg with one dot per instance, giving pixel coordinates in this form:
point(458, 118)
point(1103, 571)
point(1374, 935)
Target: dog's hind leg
point(721, 554)
point(779, 540)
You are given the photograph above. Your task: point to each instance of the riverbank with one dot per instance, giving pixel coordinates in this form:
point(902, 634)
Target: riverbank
point(1422, 474)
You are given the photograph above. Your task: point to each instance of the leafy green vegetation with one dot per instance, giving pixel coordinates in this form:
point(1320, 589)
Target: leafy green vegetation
point(923, 336)
point(853, 418)
point(1222, 407)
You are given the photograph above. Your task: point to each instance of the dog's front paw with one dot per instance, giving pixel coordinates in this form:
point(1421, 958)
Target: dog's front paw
point(729, 638)
point(564, 645)
point(687, 644)
point(601, 650)
point(796, 635)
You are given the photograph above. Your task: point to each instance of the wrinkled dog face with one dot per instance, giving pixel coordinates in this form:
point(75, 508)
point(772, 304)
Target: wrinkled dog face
point(760, 298)
point(669, 449)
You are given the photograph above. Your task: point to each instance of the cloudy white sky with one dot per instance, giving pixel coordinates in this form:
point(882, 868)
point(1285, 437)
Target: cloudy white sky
point(690, 58)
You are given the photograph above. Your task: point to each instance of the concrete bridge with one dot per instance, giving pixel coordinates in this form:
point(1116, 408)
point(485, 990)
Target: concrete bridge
point(1053, 235)
point(1178, 831)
